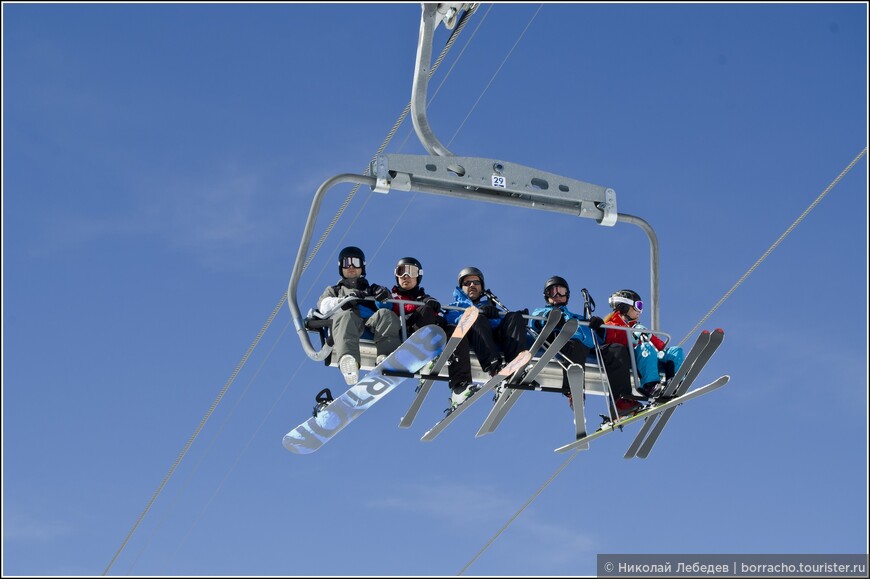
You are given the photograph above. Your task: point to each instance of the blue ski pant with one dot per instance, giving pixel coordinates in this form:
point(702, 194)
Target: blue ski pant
point(650, 365)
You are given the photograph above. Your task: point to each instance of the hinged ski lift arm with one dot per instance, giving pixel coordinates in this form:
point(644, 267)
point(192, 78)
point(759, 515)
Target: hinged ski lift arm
point(433, 14)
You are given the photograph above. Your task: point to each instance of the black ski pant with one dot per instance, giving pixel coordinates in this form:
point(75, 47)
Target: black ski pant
point(425, 316)
point(459, 365)
point(576, 351)
point(617, 363)
point(508, 338)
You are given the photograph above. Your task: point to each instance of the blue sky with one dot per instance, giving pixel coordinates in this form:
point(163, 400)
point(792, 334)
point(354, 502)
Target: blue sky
point(159, 161)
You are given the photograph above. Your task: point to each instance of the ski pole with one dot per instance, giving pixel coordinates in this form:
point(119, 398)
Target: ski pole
point(495, 300)
point(588, 308)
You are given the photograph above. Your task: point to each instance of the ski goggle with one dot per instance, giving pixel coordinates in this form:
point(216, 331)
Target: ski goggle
point(557, 290)
point(638, 305)
point(351, 262)
point(408, 269)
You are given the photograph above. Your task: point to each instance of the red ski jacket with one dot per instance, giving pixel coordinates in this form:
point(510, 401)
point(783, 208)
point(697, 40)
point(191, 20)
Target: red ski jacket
point(620, 337)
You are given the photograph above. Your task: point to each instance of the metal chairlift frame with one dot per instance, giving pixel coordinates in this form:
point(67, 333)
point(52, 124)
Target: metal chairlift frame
point(470, 178)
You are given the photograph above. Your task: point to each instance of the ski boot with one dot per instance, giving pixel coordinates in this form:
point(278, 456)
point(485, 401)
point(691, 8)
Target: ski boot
point(462, 393)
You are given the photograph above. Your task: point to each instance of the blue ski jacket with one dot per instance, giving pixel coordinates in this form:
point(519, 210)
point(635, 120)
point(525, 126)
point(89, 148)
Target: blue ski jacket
point(461, 300)
point(583, 333)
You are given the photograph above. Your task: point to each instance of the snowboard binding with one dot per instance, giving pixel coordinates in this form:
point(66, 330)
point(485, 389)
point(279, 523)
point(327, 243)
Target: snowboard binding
point(323, 398)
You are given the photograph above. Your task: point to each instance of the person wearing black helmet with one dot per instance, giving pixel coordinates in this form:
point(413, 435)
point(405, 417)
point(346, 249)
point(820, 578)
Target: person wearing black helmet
point(495, 339)
point(409, 276)
point(654, 357)
point(365, 311)
point(616, 361)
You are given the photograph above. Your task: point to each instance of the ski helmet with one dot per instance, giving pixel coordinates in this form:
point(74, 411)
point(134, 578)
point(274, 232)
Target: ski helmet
point(471, 271)
point(622, 300)
point(349, 252)
point(556, 280)
point(411, 265)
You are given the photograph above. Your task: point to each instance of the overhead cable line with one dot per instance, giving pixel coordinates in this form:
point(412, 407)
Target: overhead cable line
point(194, 435)
point(719, 303)
point(495, 74)
point(775, 244)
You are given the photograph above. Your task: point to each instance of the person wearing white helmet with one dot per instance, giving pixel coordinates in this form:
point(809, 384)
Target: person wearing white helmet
point(409, 276)
point(654, 357)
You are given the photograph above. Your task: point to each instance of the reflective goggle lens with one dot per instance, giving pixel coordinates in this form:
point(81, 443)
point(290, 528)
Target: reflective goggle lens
point(351, 262)
point(557, 290)
point(409, 270)
point(638, 305)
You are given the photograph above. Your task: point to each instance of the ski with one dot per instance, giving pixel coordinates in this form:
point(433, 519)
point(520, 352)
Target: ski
point(554, 316)
point(716, 338)
point(521, 360)
point(648, 412)
point(576, 380)
point(413, 354)
point(698, 349)
point(691, 357)
point(463, 324)
point(509, 397)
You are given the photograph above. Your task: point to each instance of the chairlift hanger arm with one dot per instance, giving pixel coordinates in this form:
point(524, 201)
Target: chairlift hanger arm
point(432, 16)
point(419, 117)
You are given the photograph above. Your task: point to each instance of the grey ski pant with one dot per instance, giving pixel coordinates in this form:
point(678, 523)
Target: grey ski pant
point(348, 326)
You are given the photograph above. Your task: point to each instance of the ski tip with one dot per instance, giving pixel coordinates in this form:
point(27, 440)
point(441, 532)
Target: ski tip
point(720, 330)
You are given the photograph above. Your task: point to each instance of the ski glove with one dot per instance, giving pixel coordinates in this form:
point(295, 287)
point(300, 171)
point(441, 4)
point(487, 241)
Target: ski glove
point(433, 303)
point(595, 323)
point(379, 292)
point(490, 311)
point(357, 295)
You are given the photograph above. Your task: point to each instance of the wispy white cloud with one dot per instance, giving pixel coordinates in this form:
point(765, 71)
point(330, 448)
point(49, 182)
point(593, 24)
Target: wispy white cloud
point(25, 527)
point(465, 505)
point(209, 214)
point(454, 503)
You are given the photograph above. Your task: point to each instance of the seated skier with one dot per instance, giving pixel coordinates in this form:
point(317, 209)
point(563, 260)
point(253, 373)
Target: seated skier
point(366, 311)
point(556, 296)
point(654, 358)
point(409, 276)
point(615, 358)
point(493, 338)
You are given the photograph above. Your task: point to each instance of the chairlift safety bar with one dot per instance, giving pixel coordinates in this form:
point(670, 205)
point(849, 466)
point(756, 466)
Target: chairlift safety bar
point(399, 172)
